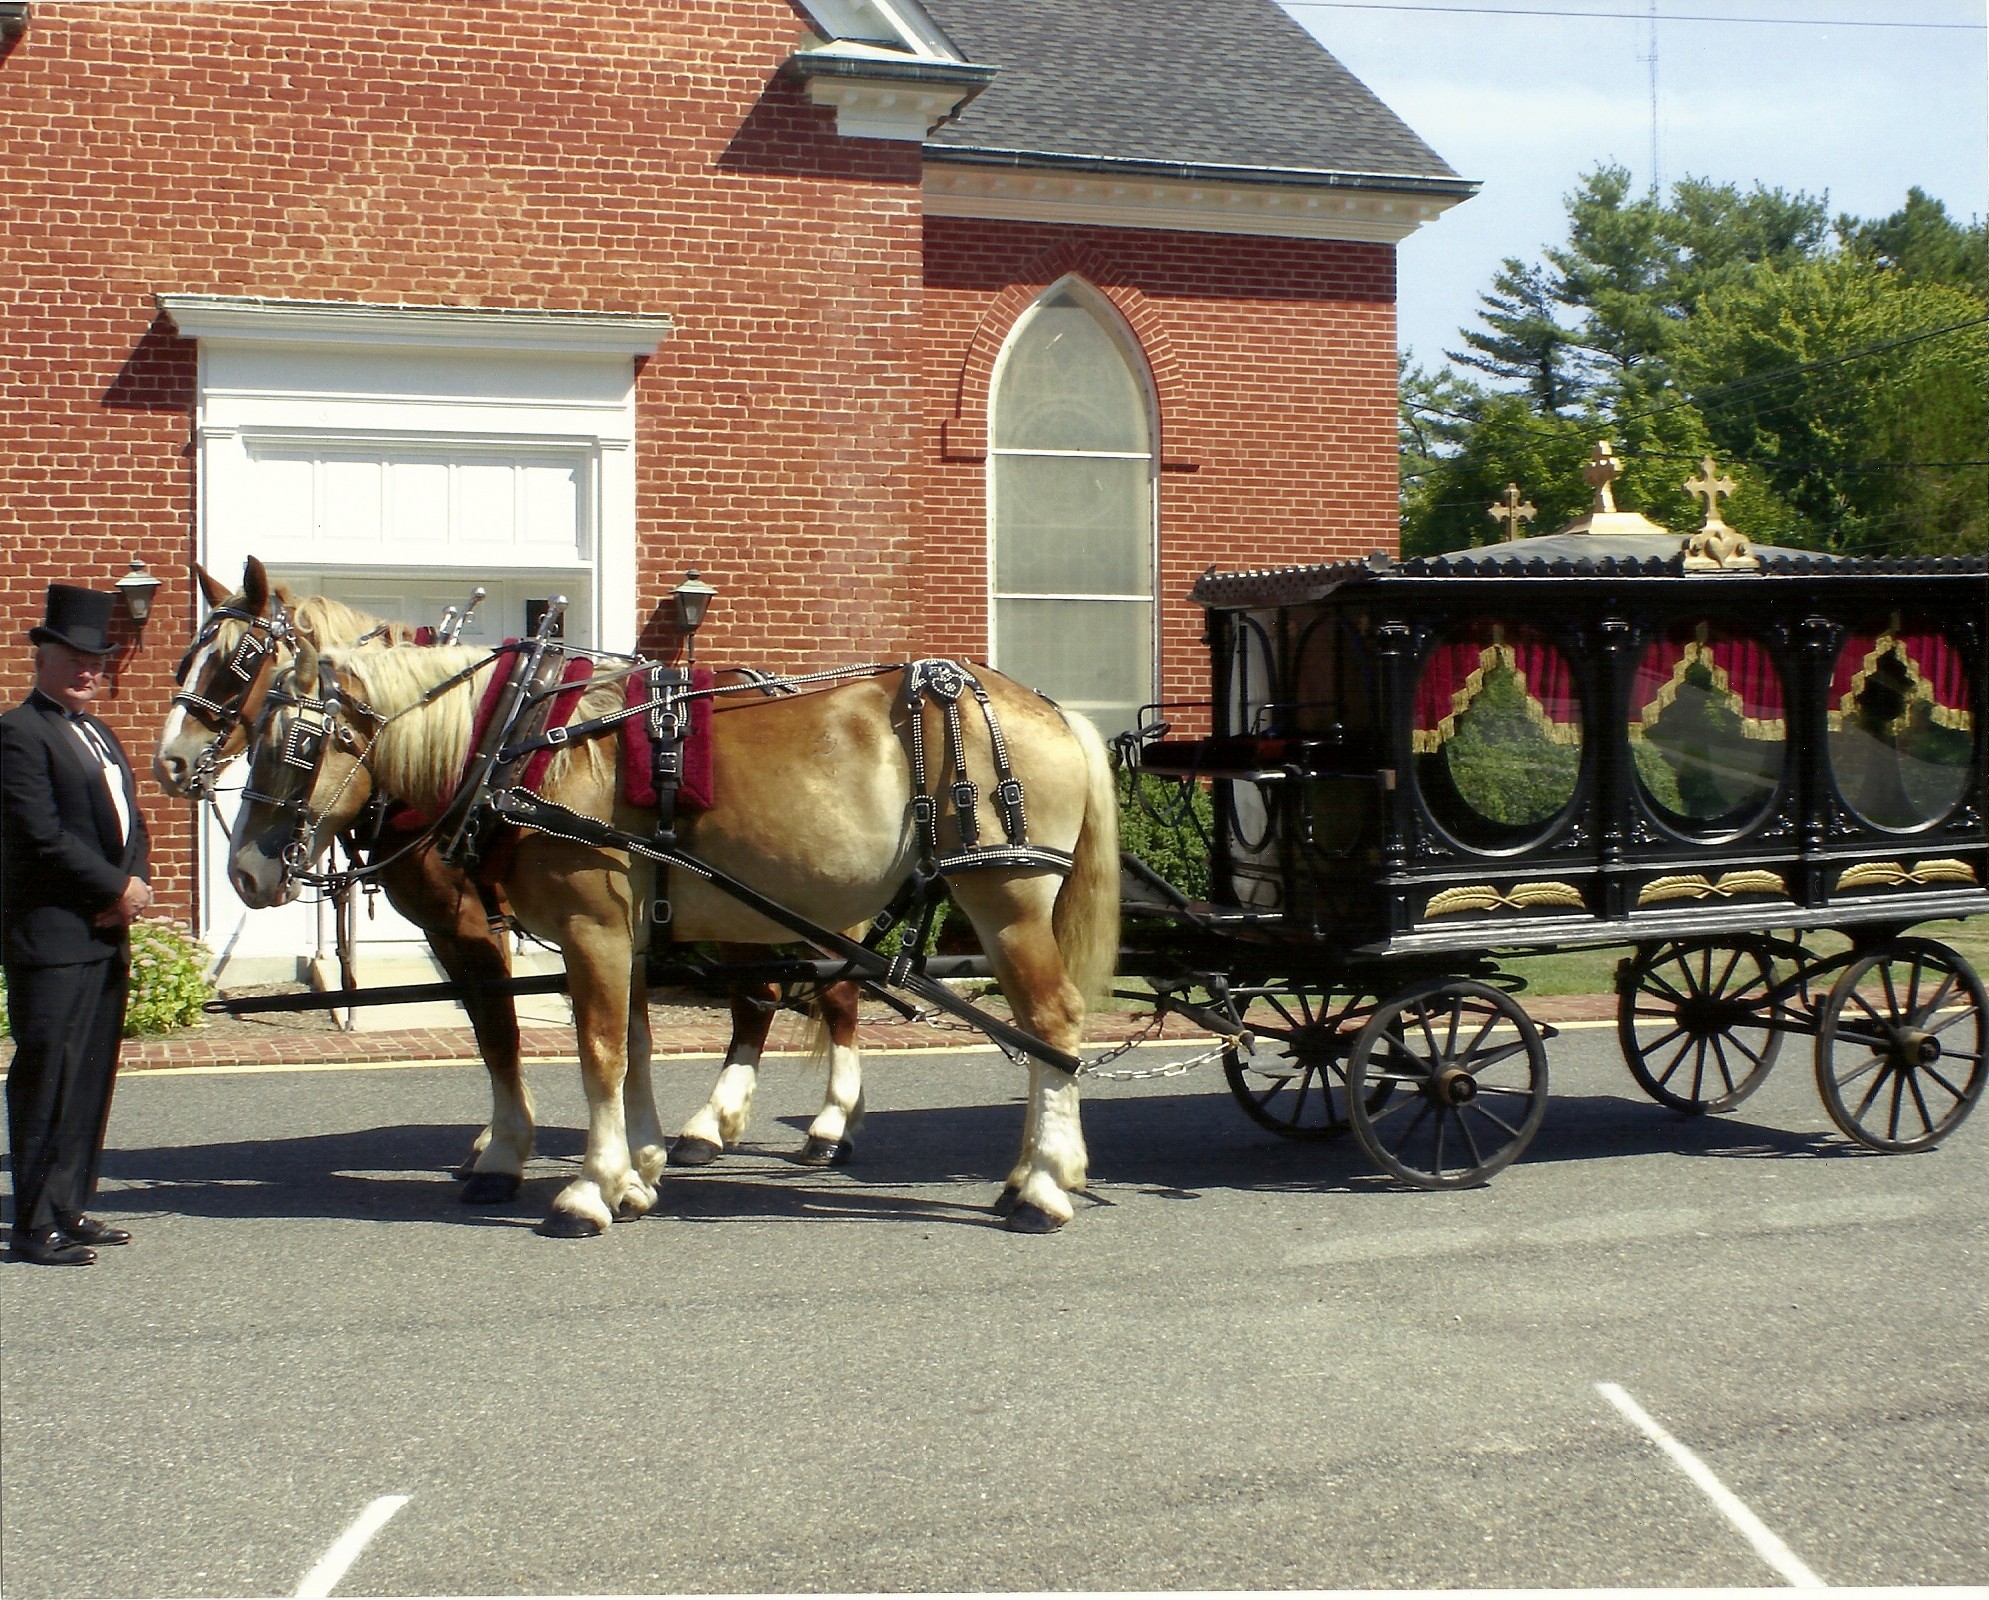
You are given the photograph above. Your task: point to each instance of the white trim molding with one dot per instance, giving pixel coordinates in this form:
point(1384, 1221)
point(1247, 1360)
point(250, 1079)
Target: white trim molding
point(882, 93)
point(220, 316)
point(1369, 214)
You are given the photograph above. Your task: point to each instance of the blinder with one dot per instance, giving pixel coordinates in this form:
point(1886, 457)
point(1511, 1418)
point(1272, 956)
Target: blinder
point(252, 654)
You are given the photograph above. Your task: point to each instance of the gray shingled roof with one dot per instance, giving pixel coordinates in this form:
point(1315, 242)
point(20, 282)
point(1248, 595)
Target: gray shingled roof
point(1230, 88)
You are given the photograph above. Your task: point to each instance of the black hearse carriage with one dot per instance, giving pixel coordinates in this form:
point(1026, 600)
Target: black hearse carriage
point(1610, 735)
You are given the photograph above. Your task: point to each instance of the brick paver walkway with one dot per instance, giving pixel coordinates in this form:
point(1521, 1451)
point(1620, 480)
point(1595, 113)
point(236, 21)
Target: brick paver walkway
point(696, 1032)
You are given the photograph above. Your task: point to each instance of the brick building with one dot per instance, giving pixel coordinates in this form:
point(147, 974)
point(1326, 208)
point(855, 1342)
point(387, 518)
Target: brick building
point(918, 326)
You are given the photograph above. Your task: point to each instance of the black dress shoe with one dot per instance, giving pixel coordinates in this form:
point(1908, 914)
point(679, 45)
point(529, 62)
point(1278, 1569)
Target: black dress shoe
point(88, 1230)
point(51, 1248)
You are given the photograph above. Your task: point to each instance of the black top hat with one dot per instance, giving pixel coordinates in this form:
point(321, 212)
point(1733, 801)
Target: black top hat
point(79, 618)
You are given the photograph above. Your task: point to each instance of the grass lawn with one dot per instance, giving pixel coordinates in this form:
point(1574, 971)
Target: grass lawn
point(1594, 971)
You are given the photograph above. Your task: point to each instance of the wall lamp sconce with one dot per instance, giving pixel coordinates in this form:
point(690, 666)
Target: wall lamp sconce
point(137, 586)
point(13, 20)
point(692, 598)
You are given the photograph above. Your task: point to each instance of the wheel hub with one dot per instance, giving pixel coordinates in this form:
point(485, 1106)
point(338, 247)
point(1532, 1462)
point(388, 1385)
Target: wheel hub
point(1915, 1047)
point(1453, 1086)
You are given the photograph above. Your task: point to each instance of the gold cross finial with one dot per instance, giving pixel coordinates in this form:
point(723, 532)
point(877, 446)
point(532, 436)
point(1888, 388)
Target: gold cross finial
point(1602, 470)
point(1709, 487)
point(1512, 511)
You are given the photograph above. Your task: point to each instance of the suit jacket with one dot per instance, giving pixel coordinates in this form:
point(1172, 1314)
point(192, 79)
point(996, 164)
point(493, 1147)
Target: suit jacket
point(61, 860)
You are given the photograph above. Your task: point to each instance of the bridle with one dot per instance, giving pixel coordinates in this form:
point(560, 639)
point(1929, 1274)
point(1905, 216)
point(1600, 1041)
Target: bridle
point(250, 663)
point(309, 736)
point(321, 722)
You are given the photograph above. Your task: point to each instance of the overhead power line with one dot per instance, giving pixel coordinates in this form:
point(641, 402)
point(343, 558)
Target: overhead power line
point(1623, 16)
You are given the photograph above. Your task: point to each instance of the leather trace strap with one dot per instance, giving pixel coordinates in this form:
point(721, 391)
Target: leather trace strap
point(946, 683)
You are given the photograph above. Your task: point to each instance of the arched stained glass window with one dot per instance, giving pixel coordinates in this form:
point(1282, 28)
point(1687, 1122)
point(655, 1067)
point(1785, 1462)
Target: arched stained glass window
point(1072, 497)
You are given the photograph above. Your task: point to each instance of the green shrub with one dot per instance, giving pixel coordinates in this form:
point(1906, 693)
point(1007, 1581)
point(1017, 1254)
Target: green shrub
point(1168, 825)
point(168, 980)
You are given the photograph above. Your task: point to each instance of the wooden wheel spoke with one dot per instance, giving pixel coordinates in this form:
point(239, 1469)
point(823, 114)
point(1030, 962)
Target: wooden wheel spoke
point(1464, 1127)
point(1492, 1057)
point(1958, 1015)
point(1941, 1078)
point(1685, 1041)
point(1655, 979)
point(1492, 1116)
point(1720, 1058)
point(1408, 1129)
point(1885, 1075)
point(1928, 1121)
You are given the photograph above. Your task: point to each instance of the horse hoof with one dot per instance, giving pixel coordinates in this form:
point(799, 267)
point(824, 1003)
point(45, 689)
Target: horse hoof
point(825, 1152)
point(1027, 1218)
point(690, 1152)
point(565, 1225)
point(1005, 1201)
point(490, 1189)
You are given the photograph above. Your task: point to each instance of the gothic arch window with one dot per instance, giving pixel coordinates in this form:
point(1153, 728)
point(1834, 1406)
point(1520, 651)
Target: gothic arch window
point(1071, 506)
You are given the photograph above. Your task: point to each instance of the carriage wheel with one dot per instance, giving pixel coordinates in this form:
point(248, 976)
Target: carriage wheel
point(1475, 1072)
point(1900, 1045)
point(1713, 1004)
point(1291, 1077)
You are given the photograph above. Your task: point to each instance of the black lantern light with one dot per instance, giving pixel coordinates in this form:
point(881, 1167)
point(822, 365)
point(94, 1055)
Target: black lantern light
point(692, 597)
point(137, 586)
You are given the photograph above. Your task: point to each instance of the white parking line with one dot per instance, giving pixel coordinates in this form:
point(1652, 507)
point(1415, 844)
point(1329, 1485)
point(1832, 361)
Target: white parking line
point(1766, 1545)
point(323, 1578)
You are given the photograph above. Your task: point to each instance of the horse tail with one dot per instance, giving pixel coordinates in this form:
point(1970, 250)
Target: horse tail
point(1086, 919)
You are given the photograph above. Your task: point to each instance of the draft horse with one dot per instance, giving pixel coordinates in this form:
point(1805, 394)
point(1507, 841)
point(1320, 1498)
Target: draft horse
point(815, 808)
point(222, 681)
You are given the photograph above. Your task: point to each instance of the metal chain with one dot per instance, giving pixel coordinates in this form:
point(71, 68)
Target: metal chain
point(932, 1017)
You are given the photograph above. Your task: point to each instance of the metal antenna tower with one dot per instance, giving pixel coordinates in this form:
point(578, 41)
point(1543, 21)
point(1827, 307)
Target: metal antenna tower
point(1650, 59)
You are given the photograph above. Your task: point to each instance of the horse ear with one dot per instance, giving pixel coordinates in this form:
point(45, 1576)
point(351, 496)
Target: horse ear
point(210, 586)
point(255, 585)
point(305, 674)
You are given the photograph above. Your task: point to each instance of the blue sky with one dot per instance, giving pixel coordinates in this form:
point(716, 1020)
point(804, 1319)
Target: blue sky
point(1525, 103)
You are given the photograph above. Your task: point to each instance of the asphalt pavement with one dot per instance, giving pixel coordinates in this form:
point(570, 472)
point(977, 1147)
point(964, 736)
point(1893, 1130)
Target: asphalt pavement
point(1248, 1363)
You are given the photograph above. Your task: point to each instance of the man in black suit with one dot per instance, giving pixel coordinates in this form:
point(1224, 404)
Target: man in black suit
point(74, 865)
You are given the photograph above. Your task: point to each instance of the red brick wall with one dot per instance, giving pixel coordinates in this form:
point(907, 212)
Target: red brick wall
point(633, 158)
point(586, 156)
point(1274, 364)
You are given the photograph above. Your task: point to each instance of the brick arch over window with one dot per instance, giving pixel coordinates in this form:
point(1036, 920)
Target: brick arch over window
point(965, 433)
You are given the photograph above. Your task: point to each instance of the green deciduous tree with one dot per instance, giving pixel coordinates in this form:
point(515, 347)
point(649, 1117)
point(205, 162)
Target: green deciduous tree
point(1843, 370)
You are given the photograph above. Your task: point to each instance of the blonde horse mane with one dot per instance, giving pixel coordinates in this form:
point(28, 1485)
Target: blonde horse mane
point(422, 749)
point(328, 623)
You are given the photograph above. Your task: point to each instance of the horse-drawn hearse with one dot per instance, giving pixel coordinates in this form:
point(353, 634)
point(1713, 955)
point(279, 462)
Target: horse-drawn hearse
point(1755, 769)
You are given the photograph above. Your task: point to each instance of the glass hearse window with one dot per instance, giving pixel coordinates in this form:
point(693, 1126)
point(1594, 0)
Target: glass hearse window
point(1708, 733)
point(1902, 730)
point(1498, 735)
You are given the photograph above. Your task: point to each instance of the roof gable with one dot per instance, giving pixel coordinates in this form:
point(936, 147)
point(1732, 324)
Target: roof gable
point(1230, 88)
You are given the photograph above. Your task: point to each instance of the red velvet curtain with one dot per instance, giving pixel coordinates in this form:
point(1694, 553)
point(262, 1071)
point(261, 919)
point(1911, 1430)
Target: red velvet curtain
point(1742, 670)
point(1932, 668)
point(1454, 675)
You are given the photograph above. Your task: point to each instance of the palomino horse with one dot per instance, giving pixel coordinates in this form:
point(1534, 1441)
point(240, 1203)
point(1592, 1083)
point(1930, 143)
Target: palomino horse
point(222, 682)
point(813, 809)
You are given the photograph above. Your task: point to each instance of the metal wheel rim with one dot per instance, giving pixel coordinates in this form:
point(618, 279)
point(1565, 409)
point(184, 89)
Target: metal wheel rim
point(1417, 1042)
point(1876, 1087)
point(1677, 986)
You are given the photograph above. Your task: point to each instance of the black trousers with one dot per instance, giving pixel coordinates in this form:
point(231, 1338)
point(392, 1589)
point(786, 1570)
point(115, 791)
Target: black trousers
point(67, 1023)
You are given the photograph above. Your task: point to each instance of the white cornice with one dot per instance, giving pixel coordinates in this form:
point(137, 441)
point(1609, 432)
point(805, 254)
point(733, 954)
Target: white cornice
point(881, 93)
point(1369, 214)
point(215, 316)
point(885, 108)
